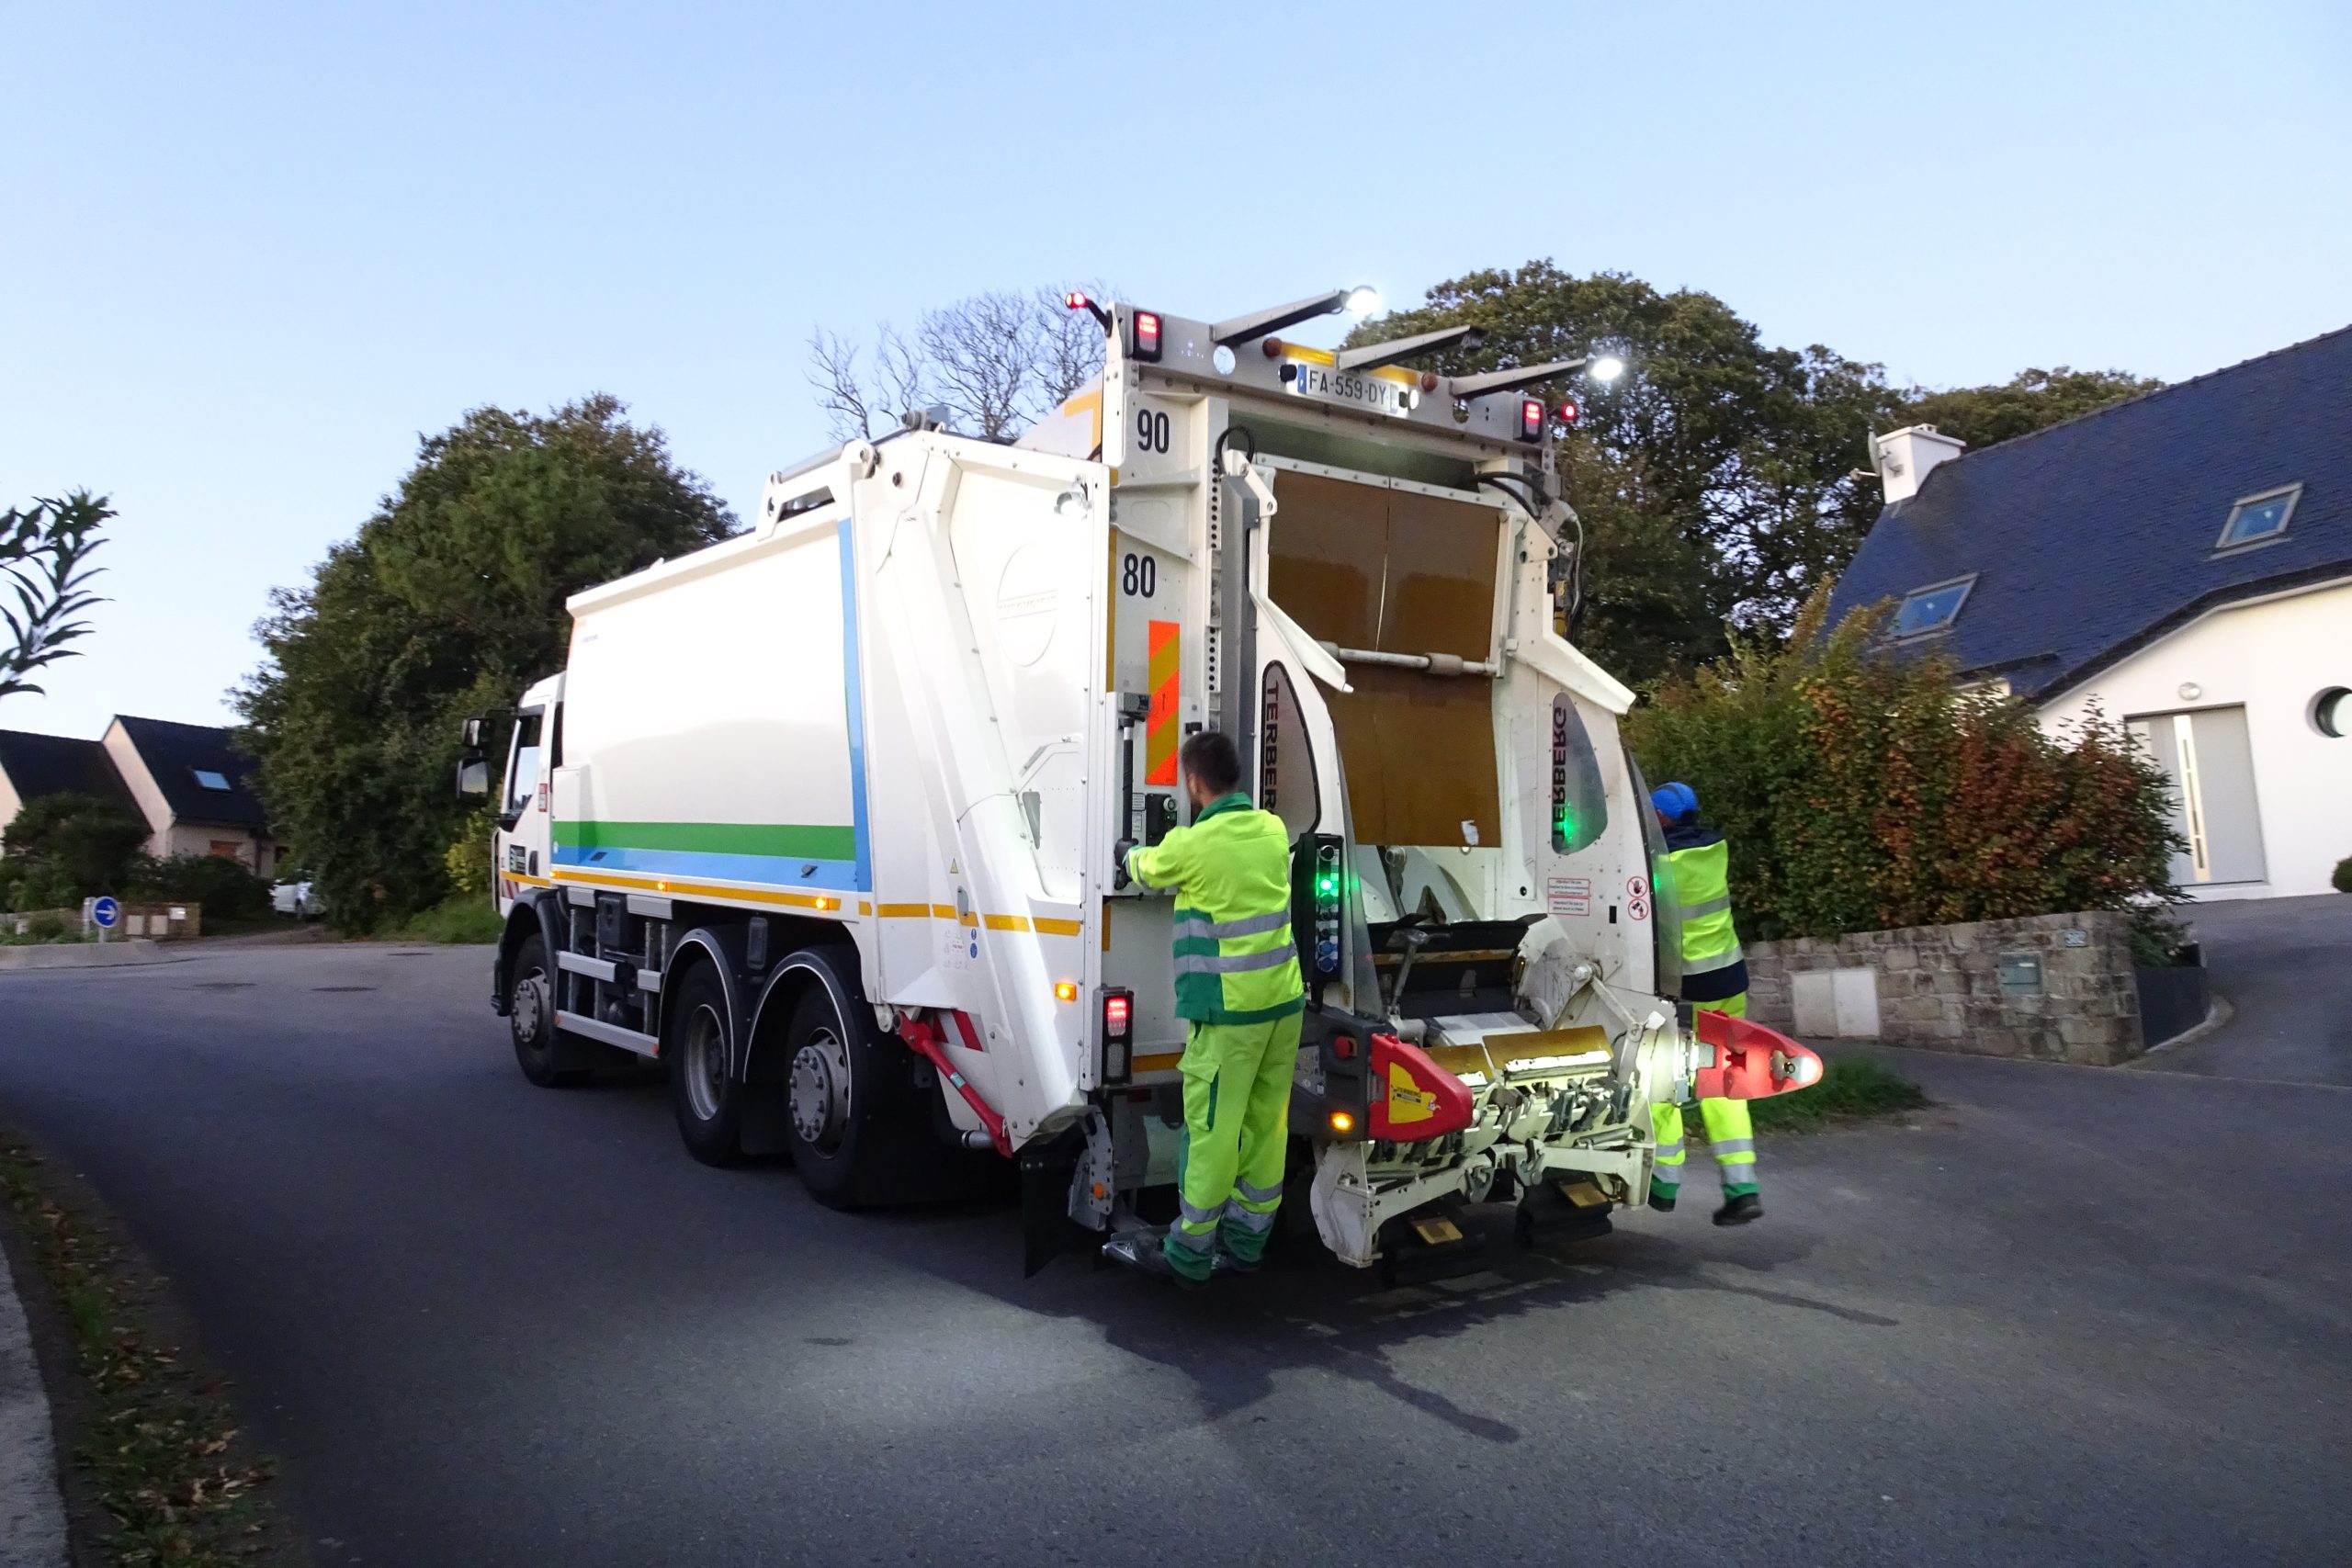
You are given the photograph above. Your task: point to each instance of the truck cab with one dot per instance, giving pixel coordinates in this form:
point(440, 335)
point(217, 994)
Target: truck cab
point(521, 795)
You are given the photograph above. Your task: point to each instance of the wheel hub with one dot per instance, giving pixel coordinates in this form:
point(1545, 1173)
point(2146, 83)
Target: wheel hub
point(706, 1063)
point(529, 1012)
point(819, 1091)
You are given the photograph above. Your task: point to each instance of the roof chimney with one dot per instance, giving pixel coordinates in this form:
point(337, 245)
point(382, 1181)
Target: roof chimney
point(1904, 457)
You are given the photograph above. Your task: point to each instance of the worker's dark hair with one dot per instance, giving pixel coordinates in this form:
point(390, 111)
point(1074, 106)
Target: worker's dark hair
point(1210, 758)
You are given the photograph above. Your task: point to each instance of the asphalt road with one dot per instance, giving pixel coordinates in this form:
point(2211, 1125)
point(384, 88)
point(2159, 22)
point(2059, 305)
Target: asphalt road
point(2068, 1317)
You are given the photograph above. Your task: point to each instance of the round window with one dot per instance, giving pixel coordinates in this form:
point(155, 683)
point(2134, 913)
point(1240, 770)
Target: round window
point(2332, 711)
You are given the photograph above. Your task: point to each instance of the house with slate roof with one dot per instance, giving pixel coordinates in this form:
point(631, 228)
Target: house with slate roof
point(187, 780)
point(2182, 563)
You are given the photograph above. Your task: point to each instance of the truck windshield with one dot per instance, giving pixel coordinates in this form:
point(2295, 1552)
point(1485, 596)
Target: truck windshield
point(523, 763)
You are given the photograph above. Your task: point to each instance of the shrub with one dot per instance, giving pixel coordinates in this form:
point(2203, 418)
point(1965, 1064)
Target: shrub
point(47, 926)
point(226, 889)
point(457, 921)
point(467, 857)
point(1860, 790)
point(2344, 874)
point(63, 847)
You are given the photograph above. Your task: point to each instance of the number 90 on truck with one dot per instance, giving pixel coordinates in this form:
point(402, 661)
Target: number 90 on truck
point(829, 818)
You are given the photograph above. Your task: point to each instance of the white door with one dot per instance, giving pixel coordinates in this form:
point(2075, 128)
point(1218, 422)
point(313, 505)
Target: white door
point(2206, 755)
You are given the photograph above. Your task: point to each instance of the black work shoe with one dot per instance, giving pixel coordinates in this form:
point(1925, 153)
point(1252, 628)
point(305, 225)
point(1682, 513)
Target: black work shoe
point(1233, 1263)
point(1739, 1210)
point(1142, 1250)
point(1662, 1203)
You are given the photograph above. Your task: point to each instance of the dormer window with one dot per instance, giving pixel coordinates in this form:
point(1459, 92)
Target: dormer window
point(1932, 608)
point(207, 778)
point(2259, 517)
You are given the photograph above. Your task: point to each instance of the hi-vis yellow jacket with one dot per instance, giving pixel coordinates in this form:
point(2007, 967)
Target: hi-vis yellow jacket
point(1235, 960)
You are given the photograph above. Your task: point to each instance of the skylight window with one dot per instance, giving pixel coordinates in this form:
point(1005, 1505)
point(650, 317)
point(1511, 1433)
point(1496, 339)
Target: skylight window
point(2259, 517)
point(1932, 608)
point(206, 778)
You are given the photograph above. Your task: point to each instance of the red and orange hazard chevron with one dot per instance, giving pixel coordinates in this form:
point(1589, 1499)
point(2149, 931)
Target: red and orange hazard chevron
point(1160, 725)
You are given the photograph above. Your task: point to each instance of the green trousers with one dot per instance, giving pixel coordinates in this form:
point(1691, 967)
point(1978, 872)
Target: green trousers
point(1236, 1133)
point(1731, 1136)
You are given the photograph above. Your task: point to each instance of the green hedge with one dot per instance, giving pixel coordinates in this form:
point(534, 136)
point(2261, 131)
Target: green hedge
point(1861, 791)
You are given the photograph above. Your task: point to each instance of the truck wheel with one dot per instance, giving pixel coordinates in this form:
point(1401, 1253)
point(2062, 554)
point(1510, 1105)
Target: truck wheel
point(702, 1083)
point(831, 1082)
point(530, 1012)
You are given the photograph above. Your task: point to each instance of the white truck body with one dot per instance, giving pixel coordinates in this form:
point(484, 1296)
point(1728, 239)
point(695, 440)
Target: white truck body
point(908, 720)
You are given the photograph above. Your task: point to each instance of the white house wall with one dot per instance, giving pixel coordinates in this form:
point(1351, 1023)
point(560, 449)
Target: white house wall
point(142, 786)
point(2273, 656)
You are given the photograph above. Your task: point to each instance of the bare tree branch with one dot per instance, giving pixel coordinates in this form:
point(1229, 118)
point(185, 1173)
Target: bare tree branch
point(832, 371)
point(1000, 362)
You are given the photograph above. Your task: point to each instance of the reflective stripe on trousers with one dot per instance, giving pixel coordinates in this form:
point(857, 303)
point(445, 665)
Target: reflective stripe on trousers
point(1236, 1138)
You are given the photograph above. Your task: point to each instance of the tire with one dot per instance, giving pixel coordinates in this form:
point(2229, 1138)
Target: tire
point(697, 1043)
point(834, 1086)
point(530, 1014)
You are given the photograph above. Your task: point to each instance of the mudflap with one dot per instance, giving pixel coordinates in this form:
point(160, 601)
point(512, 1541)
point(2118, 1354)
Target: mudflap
point(1047, 1230)
point(1436, 1241)
point(1562, 1209)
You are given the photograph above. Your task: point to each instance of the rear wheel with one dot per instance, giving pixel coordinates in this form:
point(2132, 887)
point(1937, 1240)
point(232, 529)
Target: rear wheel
point(832, 1084)
point(701, 1082)
point(530, 1013)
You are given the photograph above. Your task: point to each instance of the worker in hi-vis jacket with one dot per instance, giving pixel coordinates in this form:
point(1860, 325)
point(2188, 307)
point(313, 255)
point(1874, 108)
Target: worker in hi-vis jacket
point(1238, 990)
point(1714, 978)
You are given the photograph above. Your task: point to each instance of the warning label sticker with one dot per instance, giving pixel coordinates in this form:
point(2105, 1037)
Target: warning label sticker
point(1568, 896)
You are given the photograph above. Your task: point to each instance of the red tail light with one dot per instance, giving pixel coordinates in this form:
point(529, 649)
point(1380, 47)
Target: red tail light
point(1569, 412)
point(1118, 1053)
point(1531, 418)
point(1146, 335)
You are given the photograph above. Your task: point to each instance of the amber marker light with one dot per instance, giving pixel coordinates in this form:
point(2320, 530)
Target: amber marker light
point(1065, 991)
point(1342, 1121)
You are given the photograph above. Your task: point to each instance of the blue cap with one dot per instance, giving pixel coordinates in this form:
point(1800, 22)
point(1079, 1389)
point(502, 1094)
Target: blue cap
point(1678, 800)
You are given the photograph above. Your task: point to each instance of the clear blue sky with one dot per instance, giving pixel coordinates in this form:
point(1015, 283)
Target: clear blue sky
point(253, 252)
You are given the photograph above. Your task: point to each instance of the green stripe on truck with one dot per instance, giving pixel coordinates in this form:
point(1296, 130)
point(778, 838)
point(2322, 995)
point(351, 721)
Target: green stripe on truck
point(783, 841)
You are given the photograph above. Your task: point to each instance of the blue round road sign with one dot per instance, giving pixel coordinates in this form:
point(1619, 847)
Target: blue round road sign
point(107, 912)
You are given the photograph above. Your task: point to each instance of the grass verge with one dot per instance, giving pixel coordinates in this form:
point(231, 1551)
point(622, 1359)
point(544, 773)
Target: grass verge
point(158, 1445)
point(465, 919)
point(1851, 1088)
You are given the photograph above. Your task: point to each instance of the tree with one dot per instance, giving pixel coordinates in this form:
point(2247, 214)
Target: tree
point(45, 558)
point(1870, 794)
point(449, 600)
point(1715, 478)
point(2027, 401)
point(997, 361)
point(62, 849)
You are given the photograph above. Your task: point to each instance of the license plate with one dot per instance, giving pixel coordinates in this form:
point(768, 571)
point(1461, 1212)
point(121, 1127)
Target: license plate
point(1356, 389)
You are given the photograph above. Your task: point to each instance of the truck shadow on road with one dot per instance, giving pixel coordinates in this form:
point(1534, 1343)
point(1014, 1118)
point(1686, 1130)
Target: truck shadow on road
point(1305, 1313)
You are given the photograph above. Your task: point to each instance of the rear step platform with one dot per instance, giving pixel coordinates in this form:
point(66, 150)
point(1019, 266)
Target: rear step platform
point(1563, 1210)
point(1434, 1243)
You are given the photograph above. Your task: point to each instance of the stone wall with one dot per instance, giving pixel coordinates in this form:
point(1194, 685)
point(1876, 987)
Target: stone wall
point(2053, 987)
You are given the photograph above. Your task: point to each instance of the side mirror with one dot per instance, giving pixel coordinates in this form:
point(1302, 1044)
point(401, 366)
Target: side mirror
point(473, 775)
point(472, 733)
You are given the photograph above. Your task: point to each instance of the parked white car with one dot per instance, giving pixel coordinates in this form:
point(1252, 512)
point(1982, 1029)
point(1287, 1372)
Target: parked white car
point(296, 899)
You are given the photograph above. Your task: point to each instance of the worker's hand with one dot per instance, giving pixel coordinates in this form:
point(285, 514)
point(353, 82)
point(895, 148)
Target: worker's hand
point(1119, 878)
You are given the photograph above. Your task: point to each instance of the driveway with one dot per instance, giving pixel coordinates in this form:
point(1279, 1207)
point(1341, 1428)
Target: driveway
point(2285, 966)
point(2065, 1316)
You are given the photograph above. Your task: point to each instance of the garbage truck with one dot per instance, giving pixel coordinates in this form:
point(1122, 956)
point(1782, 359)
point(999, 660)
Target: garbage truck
point(829, 818)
